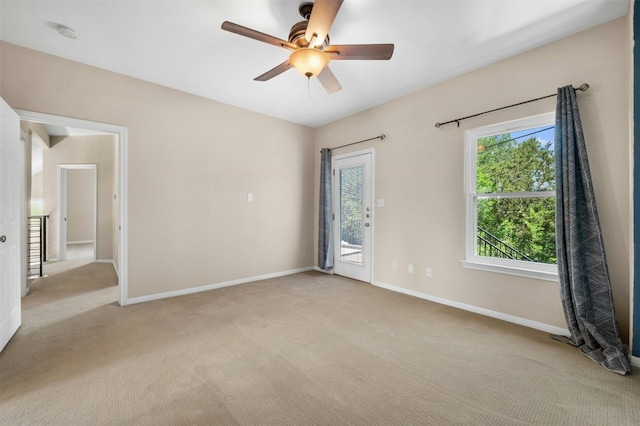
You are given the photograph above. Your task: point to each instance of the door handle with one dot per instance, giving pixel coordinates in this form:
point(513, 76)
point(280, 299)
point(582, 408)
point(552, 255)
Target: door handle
point(3, 238)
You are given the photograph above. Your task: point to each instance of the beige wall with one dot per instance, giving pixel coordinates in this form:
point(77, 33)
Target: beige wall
point(191, 163)
point(80, 150)
point(38, 131)
point(81, 205)
point(28, 141)
point(36, 186)
point(35, 135)
point(419, 169)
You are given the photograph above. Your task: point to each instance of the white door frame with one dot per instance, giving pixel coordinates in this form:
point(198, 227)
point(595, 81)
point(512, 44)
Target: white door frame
point(63, 207)
point(336, 241)
point(122, 149)
point(24, 211)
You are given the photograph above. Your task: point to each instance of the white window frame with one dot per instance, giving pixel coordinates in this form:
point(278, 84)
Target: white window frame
point(543, 271)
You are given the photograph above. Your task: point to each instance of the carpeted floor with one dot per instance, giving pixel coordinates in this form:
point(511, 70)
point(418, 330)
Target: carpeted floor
point(299, 350)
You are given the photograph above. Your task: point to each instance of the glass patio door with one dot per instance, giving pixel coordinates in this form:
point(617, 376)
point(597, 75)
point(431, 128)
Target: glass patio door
point(353, 216)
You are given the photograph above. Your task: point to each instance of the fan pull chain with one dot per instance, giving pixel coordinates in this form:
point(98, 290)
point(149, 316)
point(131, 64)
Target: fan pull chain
point(308, 87)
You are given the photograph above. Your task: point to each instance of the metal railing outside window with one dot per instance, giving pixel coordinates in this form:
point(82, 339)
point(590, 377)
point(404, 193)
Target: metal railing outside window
point(491, 246)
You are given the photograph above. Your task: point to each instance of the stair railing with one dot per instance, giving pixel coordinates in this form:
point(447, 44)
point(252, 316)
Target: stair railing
point(37, 245)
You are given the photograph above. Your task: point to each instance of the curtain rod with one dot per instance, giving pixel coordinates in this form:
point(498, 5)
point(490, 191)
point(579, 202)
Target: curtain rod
point(582, 88)
point(381, 137)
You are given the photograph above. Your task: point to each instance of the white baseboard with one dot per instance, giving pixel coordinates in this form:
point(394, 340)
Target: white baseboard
point(79, 242)
point(478, 310)
point(191, 290)
point(635, 361)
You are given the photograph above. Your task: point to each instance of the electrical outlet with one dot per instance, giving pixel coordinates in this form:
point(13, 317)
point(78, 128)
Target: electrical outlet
point(394, 265)
point(429, 272)
point(410, 268)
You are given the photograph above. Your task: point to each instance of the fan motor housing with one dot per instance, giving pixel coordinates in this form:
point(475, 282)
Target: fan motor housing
point(296, 35)
point(305, 9)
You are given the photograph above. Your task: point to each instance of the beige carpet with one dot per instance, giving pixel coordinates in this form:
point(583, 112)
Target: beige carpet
point(300, 350)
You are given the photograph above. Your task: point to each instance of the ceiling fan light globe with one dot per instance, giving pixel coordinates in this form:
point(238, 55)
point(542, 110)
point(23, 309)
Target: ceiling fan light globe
point(308, 61)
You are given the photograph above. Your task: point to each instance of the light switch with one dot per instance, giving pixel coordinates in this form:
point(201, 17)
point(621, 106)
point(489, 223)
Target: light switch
point(250, 196)
point(380, 202)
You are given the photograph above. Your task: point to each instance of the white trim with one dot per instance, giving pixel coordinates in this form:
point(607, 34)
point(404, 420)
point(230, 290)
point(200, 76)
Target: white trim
point(79, 242)
point(62, 206)
point(539, 120)
point(635, 361)
point(372, 152)
point(191, 290)
point(121, 133)
point(478, 310)
point(505, 266)
point(507, 195)
point(503, 269)
point(24, 213)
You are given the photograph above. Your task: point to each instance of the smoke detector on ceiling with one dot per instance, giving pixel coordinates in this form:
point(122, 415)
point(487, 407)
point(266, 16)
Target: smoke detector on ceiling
point(67, 32)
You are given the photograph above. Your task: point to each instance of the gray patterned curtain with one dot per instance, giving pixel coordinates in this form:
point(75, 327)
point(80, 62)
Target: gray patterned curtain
point(582, 267)
point(325, 240)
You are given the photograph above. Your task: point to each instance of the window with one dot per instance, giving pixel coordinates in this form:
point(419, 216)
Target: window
point(510, 198)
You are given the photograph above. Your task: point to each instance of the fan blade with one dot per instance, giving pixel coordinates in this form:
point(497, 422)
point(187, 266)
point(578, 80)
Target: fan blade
point(322, 16)
point(329, 80)
point(274, 72)
point(257, 35)
point(359, 51)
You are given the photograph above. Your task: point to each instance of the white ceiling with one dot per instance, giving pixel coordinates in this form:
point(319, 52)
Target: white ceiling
point(179, 44)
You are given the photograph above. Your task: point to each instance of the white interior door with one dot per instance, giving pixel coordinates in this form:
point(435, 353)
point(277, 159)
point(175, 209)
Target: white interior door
point(10, 224)
point(353, 215)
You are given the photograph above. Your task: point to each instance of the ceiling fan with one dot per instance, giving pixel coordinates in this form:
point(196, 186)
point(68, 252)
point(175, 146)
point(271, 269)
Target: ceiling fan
point(309, 45)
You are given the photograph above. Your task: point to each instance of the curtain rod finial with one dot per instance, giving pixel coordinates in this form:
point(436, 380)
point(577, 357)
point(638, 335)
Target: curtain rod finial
point(382, 136)
point(584, 87)
point(438, 125)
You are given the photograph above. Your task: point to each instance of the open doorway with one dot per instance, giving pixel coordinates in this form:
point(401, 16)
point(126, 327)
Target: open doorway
point(110, 249)
point(78, 208)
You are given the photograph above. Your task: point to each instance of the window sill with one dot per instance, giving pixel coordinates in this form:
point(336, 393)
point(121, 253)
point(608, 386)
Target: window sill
point(521, 272)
